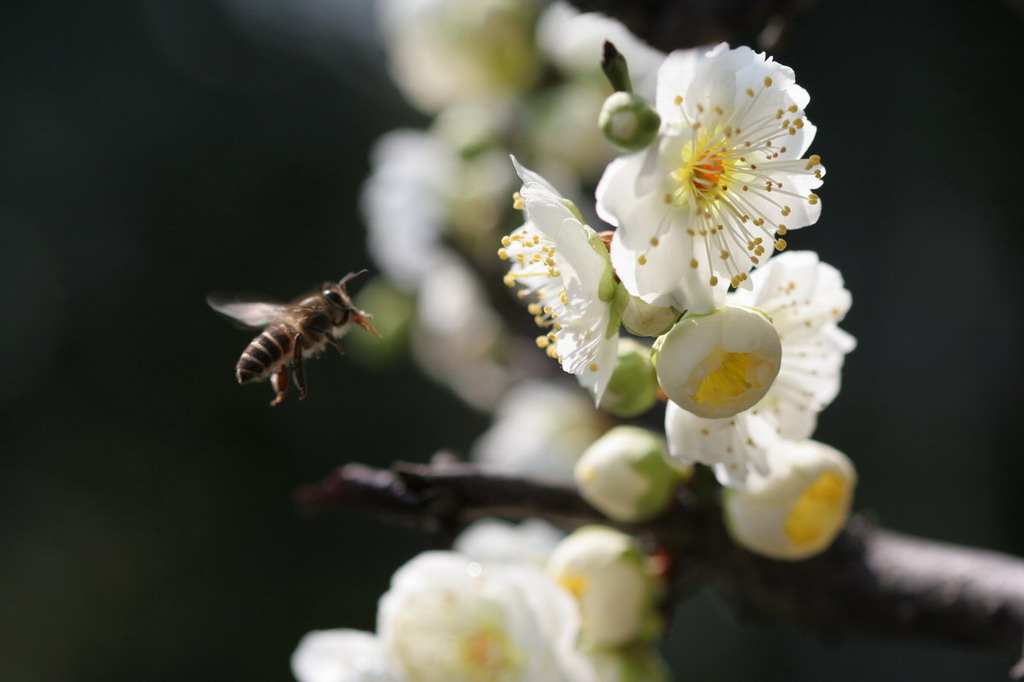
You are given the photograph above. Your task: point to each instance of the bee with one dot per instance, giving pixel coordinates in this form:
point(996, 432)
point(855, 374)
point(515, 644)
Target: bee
point(292, 332)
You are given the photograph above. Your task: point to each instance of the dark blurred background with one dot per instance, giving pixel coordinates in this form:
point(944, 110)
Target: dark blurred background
point(152, 152)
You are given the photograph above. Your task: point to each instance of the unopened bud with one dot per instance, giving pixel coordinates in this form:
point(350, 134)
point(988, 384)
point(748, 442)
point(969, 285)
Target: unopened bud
point(641, 318)
point(606, 571)
point(628, 121)
point(633, 387)
point(797, 510)
point(627, 475)
point(717, 364)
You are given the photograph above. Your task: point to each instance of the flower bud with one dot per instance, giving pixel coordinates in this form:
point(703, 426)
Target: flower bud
point(627, 475)
point(628, 121)
point(642, 318)
point(797, 510)
point(717, 364)
point(637, 663)
point(606, 572)
point(633, 387)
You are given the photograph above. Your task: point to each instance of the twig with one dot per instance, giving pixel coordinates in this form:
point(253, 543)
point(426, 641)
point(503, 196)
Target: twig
point(871, 581)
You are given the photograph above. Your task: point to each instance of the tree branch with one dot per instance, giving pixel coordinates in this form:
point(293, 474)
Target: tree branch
point(871, 581)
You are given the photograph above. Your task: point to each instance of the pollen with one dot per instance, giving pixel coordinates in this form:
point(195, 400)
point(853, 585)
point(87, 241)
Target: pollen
point(819, 512)
point(518, 203)
point(727, 382)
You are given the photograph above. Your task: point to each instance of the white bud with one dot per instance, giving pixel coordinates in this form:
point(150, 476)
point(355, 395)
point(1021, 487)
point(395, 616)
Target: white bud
point(720, 363)
point(797, 510)
point(607, 573)
point(627, 475)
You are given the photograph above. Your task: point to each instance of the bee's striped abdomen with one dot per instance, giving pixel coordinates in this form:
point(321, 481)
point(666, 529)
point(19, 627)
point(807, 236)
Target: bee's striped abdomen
point(266, 352)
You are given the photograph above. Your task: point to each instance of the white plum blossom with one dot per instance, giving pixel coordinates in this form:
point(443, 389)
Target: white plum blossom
point(422, 190)
point(563, 265)
point(447, 52)
point(447, 617)
point(724, 180)
point(805, 299)
point(495, 541)
point(797, 510)
point(405, 203)
point(341, 656)
point(540, 429)
point(458, 335)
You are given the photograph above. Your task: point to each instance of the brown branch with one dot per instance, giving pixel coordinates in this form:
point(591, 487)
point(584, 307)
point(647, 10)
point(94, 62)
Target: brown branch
point(871, 581)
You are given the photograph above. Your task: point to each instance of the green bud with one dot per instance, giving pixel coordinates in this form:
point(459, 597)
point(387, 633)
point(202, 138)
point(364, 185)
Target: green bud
point(628, 121)
point(639, 662)
point(627, 474)
point(641, 318)
point(633, 388)
point(615, 68)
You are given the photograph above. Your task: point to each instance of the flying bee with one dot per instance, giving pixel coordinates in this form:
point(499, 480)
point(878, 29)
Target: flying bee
point(292, 332)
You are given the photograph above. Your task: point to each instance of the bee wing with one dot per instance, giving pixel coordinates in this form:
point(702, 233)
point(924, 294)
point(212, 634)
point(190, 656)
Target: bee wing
point(249, 313)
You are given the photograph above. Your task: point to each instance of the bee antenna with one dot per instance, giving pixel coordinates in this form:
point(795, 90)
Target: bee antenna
point(350, 276)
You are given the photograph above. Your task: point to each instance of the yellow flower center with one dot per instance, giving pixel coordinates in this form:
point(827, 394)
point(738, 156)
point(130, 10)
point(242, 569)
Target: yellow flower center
point(819, 512)
point(574, 583)
point(488, 655)
point(734, 374)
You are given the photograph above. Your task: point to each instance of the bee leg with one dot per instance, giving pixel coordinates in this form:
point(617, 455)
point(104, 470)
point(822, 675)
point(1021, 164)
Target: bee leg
point(279, 380)
point(334, 342)
point(297, 374)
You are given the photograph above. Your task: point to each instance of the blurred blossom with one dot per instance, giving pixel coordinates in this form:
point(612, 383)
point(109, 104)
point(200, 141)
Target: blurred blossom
point(797, 510)
point(705, 202)
point(565, 142)
point(457, 336)
point(495, 541)
point(606, 571)
point(341, 656)
point(447, 52)
point(539, 429)
point(574, 43)
point(405, 203)
point(421, 192)
point(447, 617)
point(627, 475)
point(805, 299)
